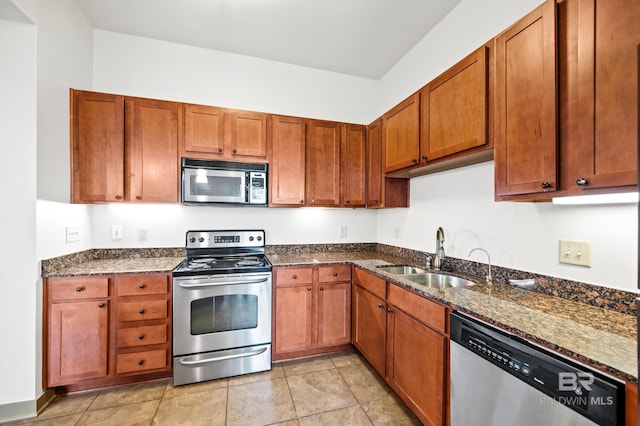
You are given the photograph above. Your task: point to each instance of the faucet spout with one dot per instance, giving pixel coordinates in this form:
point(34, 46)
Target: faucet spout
point(488, 276)
point(439, 257)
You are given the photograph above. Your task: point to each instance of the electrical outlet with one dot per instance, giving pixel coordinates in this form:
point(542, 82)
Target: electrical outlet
point(575, 252)
point(116, 232)
point(73, 234)
point(343, 232)
point(142, 234)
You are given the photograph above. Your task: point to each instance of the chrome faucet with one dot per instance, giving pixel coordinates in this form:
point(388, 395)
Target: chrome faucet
point(439, 257)
point(488, 277)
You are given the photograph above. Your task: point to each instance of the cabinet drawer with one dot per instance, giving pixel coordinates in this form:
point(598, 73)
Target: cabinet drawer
point(141, 336)
point(136, 285)
point(78, 288)
point(141, 361)
point(430, 313)
point(142, 310)
point(370, 282)
point(328, 274)
point(293, 276)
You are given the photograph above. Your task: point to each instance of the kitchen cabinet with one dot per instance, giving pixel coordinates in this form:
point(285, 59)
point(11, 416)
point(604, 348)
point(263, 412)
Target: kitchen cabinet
point(598, 46)
point(382, 191)
point(312, 311)
point(401, 135)
point(123, 149)
point(526, 119)
point(631, 404)
point(353, 167)
point(287, 141)
point(77, 331)
point(224, 134)
point(454, 110)
point(405, 338)
point(323, 163)
point(106, 330)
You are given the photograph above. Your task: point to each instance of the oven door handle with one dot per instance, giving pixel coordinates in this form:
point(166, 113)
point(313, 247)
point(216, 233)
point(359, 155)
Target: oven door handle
point(216, 283)
point(223, 357)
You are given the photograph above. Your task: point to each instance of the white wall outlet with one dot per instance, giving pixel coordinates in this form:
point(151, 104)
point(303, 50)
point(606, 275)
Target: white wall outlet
point(73, 234)
point(343, 231)
point(575, 252)
point(116, 232)
point(142, 234)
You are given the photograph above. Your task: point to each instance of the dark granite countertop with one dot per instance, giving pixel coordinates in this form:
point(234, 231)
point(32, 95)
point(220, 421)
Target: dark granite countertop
point(601, 338)
point(125, 265)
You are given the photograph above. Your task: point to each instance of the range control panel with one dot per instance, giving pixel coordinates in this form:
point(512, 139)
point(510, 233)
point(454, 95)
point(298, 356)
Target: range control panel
point(225, 239)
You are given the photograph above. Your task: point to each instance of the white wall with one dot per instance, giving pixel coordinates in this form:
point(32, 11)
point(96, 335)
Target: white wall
point(518, 235)
point(19, 274)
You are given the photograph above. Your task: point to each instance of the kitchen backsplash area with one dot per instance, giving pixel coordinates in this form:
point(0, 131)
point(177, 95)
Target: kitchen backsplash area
point(598, 296)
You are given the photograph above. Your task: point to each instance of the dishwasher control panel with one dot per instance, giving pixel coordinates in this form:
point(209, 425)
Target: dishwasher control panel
point(594, 395)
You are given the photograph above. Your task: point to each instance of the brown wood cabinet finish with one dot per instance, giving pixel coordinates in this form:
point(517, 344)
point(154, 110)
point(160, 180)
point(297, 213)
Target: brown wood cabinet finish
point(323, 163)
point(401, 135)
point(382, 191)
point(454, 109)
point(203, 132)
point(353, 167)
point(287, 140)
point(405, 338)
point(526, 118)
point(598, 45)
point(312, 311)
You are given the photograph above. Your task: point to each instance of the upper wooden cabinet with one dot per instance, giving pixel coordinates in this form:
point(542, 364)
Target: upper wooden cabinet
point(526, 119)
point(287, 141)
point(323, 163)
point(401, 135)
point(219, 133)
point(598, 93)
point(454, 109)
point(353, 167)
point(382, 191)
point(123, 149)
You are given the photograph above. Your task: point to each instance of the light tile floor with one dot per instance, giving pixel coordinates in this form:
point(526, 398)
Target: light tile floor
point(336, 389)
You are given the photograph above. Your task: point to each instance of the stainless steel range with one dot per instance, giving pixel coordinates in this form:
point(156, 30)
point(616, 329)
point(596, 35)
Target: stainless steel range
point(221, 306)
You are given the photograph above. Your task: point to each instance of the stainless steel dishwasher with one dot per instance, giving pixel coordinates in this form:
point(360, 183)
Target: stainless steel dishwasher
point(500, 379)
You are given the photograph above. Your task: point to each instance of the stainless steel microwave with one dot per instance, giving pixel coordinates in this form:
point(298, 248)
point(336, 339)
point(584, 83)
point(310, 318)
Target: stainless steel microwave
point(224, 182)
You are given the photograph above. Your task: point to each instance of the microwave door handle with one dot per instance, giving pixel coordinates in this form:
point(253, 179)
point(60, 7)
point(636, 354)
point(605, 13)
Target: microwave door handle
point(210, 283)
point(224, 357)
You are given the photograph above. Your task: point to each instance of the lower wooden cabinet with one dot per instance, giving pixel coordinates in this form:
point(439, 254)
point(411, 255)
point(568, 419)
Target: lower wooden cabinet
point(405, 338)
point(312, 311)
point(106, 330)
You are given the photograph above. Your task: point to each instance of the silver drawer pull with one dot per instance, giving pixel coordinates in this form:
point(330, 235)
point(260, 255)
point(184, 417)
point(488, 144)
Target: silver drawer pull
point(223, 358)
point(208, 283)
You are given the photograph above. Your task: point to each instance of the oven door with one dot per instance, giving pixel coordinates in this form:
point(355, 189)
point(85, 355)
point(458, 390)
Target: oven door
point(221, 312)
point(201, 185)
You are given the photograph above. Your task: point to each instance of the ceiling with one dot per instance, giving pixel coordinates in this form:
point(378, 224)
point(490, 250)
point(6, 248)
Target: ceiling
point(362, 38)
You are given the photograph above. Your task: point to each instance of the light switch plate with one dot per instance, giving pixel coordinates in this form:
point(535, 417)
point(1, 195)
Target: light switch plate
point(575, 252)
point(116, 232)
point(72, 234)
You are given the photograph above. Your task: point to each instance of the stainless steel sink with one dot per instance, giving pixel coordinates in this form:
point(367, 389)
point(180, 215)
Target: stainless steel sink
point(401, 269)
point(437, 280)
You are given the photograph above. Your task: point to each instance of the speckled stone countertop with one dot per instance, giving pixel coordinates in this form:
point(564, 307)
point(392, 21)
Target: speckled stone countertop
point(130, 265)
point(601, 338)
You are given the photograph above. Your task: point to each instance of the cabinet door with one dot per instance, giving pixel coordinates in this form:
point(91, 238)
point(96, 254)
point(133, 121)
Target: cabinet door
point(287, 168)
point(293, 319)
point(374, 164)
point(248, 134)
point(401, 136)
point(354, 145)
point(602, 144)
point(203, 131)
point(525, 124)
point(152, 141)
point(97, 152)
point(334, 314)
point(369, 327)
point(454, 108)
point(416, 367)
point(323, 163)
point(77, 339)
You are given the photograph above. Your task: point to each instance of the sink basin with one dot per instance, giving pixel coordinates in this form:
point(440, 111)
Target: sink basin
point(401, 269)
point(438, 280)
